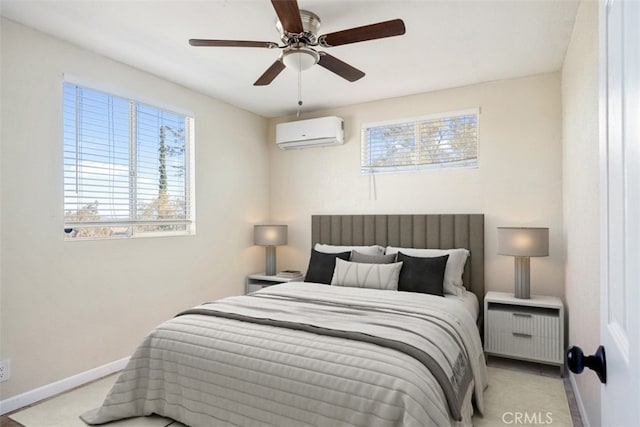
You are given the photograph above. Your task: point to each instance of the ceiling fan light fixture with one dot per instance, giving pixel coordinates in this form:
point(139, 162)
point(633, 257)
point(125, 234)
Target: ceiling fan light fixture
point(300, 59)
point(298, 31)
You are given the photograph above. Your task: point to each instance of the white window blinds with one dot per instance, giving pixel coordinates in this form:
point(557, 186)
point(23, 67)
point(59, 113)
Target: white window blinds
point(127, 168)
point(448, 140)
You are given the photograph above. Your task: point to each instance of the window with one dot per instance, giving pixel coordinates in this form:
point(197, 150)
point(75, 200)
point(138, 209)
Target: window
point(127, 167)
point(448, 140)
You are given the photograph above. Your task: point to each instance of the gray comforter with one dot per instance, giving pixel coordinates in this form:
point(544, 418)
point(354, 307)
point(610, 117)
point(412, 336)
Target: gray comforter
point(307, 354)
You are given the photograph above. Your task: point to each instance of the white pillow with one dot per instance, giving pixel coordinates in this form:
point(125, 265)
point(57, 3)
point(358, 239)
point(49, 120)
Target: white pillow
point(332, 249)
point(360, 275)
point(455, 265)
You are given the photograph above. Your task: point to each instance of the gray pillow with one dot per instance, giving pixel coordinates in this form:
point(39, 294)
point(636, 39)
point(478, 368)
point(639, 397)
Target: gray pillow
point(372, 259)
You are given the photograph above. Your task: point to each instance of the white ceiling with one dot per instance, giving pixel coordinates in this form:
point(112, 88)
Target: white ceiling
point(448, 43)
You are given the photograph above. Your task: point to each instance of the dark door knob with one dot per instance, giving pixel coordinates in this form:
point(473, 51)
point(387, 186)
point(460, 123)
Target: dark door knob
point(596, 362)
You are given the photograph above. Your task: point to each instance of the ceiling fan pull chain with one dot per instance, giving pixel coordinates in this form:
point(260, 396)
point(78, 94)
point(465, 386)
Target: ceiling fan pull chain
point(299, 93)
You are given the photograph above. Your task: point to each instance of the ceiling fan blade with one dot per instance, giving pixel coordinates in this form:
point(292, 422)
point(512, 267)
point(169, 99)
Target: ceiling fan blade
point(289, 15)
point(271, 73)
point(231, 43)
point(380, 30)
point(342, 69)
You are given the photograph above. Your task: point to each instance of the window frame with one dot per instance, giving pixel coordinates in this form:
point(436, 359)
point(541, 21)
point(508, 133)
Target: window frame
point(367, 169)
point(132, 165)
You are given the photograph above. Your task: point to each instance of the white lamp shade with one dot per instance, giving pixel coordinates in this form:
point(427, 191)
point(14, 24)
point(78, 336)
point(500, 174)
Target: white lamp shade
point(270, 235)
point(523, 241)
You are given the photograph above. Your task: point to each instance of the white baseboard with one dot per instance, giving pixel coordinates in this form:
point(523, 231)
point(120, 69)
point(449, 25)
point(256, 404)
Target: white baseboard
point(576, 394)
point(49, 390)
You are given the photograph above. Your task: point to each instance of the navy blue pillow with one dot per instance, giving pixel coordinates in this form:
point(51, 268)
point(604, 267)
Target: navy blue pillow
point(424, 275)
point(321, 266)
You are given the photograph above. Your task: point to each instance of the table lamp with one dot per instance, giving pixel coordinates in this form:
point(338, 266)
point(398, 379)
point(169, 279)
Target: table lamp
point(270, 236)
point(523, 243)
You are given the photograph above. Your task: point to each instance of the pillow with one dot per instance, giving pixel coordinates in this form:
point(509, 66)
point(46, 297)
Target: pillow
point(321, 266)
point(455, 265)
point(372, 259)
point(424, 275)
point(359, 275)
point(332, 249)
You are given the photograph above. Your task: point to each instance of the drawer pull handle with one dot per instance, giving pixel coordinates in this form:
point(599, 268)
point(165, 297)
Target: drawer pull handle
point(521, 315)
point(518, 334)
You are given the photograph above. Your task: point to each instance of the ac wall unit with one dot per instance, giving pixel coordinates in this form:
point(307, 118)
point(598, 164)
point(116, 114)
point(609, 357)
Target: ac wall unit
point(319, 132)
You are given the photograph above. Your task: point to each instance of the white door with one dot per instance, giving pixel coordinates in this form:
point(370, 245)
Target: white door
point(620, 161)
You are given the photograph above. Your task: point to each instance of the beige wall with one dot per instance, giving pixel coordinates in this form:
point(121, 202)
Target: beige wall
point(519, 181)
point(68, 307)
point(581, 177)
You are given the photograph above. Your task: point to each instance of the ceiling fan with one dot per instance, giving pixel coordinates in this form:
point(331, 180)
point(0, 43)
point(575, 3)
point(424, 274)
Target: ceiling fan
point(299, 34)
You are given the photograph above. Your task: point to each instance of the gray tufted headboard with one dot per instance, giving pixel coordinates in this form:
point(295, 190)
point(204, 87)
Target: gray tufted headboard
point(410, 231)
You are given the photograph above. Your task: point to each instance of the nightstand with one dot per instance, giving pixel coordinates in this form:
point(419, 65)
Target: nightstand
point(527, 329)
point(255, 282)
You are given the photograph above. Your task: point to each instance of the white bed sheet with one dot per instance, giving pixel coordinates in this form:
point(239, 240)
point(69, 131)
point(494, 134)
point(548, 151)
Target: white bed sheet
point(470, 302)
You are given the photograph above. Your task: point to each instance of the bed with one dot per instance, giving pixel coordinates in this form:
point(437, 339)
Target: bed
point(311, 354)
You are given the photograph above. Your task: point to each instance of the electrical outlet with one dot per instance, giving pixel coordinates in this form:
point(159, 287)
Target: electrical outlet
point(5, 370)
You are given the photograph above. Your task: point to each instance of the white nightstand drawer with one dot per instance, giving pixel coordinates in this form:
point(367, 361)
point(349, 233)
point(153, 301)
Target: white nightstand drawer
point(529, 321)
point(524, 346)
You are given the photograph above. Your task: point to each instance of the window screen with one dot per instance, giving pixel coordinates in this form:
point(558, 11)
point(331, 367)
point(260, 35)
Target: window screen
point(448, 140)
point(127, 168)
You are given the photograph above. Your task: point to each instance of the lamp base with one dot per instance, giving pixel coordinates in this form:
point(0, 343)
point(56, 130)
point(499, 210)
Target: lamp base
point(270, 267)
point(522, 285)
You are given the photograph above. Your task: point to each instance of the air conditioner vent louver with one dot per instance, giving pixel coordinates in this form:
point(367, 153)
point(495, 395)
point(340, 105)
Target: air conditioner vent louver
point(323, 131)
